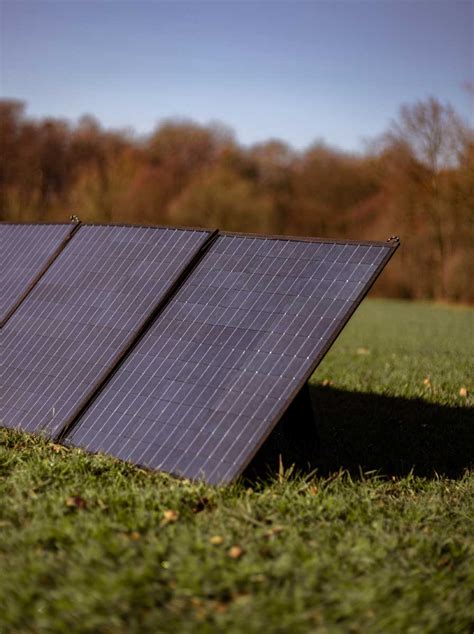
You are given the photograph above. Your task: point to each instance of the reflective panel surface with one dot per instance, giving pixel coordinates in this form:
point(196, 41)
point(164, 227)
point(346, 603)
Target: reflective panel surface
point(79, 318)
point(25, 251)
point(212, 376)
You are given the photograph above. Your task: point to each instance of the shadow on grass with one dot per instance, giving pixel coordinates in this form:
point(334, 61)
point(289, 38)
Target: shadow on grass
point(367, 432)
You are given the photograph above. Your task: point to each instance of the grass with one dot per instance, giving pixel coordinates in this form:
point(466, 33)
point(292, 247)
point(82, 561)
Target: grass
point(410, 350)
point(89, 544)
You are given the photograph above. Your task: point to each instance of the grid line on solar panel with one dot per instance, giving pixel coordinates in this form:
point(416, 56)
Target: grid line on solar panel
point(216, 370)
point(26, 250)
point(83, 313)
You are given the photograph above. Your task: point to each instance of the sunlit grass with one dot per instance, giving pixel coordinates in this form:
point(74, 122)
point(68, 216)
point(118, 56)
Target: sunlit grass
point(90, 544)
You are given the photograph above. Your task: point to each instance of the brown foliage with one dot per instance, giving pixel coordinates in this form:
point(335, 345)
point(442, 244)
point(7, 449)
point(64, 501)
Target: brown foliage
point(417, 181)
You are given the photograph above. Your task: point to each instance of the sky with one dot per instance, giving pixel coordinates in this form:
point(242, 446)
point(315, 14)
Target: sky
point(299, 71)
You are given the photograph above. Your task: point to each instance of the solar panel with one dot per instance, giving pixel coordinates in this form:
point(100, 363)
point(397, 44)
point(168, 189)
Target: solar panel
point(215, 372)
point(82, 315)
point(25, 253)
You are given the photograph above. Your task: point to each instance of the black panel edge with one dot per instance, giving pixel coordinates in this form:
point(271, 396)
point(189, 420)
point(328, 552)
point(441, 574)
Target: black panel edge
point(139, 226)
point(112, 224)
point(73, 228)
point(133, 340)
point(391, 242)
point(41, 223)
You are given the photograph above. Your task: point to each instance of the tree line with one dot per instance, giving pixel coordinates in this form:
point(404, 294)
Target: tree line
point(416, 181)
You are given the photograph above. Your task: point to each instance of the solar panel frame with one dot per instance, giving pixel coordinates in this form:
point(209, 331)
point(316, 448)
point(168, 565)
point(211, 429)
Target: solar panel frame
point(128, 343)
point(31, 283)
point(393, 242)
point(390, 246)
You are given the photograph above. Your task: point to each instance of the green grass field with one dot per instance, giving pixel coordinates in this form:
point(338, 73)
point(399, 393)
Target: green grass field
point(88, 544)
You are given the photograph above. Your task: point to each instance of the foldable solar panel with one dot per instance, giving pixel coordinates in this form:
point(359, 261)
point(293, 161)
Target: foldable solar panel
point(26, 250)
point(218, 368)
point(81, 316)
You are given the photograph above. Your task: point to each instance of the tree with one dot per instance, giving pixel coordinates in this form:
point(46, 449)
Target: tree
point(274, 162)
point(434, 132)
point(221, 198)
point(329, 184)
point(183, 148)
point(435, 135)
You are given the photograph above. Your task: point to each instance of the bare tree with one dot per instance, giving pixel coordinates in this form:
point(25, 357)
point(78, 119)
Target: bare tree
point(436, 136)
point(434, 131)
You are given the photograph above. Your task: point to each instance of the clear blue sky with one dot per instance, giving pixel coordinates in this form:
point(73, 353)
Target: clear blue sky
point(294, 70)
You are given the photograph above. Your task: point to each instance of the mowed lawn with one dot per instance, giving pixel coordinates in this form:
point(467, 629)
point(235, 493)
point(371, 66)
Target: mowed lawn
point(379, 540)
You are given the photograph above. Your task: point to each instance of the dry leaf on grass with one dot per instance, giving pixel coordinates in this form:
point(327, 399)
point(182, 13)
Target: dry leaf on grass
point(169, 516)
point(235, 552)
point(216, 540)
point(241, 597)
point(76, 501)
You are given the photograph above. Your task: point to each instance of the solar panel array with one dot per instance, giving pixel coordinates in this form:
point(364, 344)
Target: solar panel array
point(82, 314)
point(25, 251)
point(211, 377)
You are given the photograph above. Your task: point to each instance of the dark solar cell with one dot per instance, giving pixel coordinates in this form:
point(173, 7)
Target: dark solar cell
point(212, 376)
point(25, 252)
point(82, 314)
